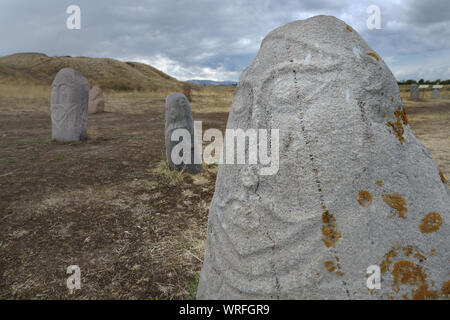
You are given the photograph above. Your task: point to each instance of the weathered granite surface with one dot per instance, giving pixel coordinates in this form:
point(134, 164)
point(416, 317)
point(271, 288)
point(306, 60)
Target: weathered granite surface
point(355, 188)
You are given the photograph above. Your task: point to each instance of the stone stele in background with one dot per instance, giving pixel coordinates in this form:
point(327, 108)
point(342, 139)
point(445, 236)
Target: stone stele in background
point(354, 189)
point(179, 116)
point(414, 92)
point(435, 94)
point(96, 100)
point(69, 106)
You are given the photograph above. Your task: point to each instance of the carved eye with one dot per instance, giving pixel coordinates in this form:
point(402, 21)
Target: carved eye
point(64, 93)
point(173, 114)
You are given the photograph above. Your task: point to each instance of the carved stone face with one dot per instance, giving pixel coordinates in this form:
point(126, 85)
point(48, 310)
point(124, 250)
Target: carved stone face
point(178, 111)
point(64, 100)
point(69, 98)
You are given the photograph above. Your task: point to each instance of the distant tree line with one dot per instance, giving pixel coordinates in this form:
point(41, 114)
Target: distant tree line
point(422, 81)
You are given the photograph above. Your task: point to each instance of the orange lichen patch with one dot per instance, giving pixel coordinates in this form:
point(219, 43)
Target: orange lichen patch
point(329, 231)
point(418, 255)
point(397, 202)
point(398, 129)
point(446, 289)
point(349, 28)
point(397, 126)
point(422, 293)
point(401, 114)
point(372, 54)
point(442, 177)
point(431, 223)
point(365, 198)
point(329, 265)
point(379, 183)
point(433, 252)
point(406, 272)
point(386, 263)
point(408, 250)
point(392, 99)
point(384, 115)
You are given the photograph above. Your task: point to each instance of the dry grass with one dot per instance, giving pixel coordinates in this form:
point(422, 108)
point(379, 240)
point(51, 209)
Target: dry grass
point(24, 91)
point(106, 73)
point(212, 98)
point(111, 205)
point(424, 94)
point(171, 177)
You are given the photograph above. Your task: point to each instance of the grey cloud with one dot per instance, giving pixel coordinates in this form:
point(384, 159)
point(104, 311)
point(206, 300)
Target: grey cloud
point(201, 34)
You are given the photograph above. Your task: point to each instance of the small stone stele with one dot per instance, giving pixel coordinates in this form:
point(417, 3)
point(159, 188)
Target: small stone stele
point(179, 116)
point(414, 95)
point(96, 100)
point(69, 106)
point(435, 94)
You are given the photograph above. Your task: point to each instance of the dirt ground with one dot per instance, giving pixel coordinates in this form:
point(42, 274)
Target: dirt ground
point(111, 206)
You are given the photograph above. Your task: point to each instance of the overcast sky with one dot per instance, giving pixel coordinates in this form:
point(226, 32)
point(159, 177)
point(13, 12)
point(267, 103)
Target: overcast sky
point(200, 39)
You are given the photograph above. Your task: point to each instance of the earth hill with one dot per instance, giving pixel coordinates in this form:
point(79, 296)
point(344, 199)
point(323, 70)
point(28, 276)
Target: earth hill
point(40, 69)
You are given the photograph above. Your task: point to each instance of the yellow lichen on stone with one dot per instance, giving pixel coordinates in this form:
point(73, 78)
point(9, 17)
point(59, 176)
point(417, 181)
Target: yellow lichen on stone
point(408, 250)
point(406, 272)
point(431, 223)
point(422, 293)
point(365, 198)
point(401, 114)
point(397, 202)
point(433, 252)
point(420, 256)
point(442, 177)
point(349, 28)
point(379, 183)
point(446, 289)
point(332, 267)
point(329, 231)
point(329, 265)
point(386, 263)
point(372, 54)
point(397, 125)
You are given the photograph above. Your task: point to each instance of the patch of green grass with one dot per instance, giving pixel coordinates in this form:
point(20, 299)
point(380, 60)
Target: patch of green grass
point(192, 286)
point(156, 187)
point(212, 165)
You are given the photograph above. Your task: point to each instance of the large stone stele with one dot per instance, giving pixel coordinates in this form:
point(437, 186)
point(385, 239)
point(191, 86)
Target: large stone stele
point(355, 188)
point(69, 106)
point(414, 94)
point(179, 116)
point(96, 100)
